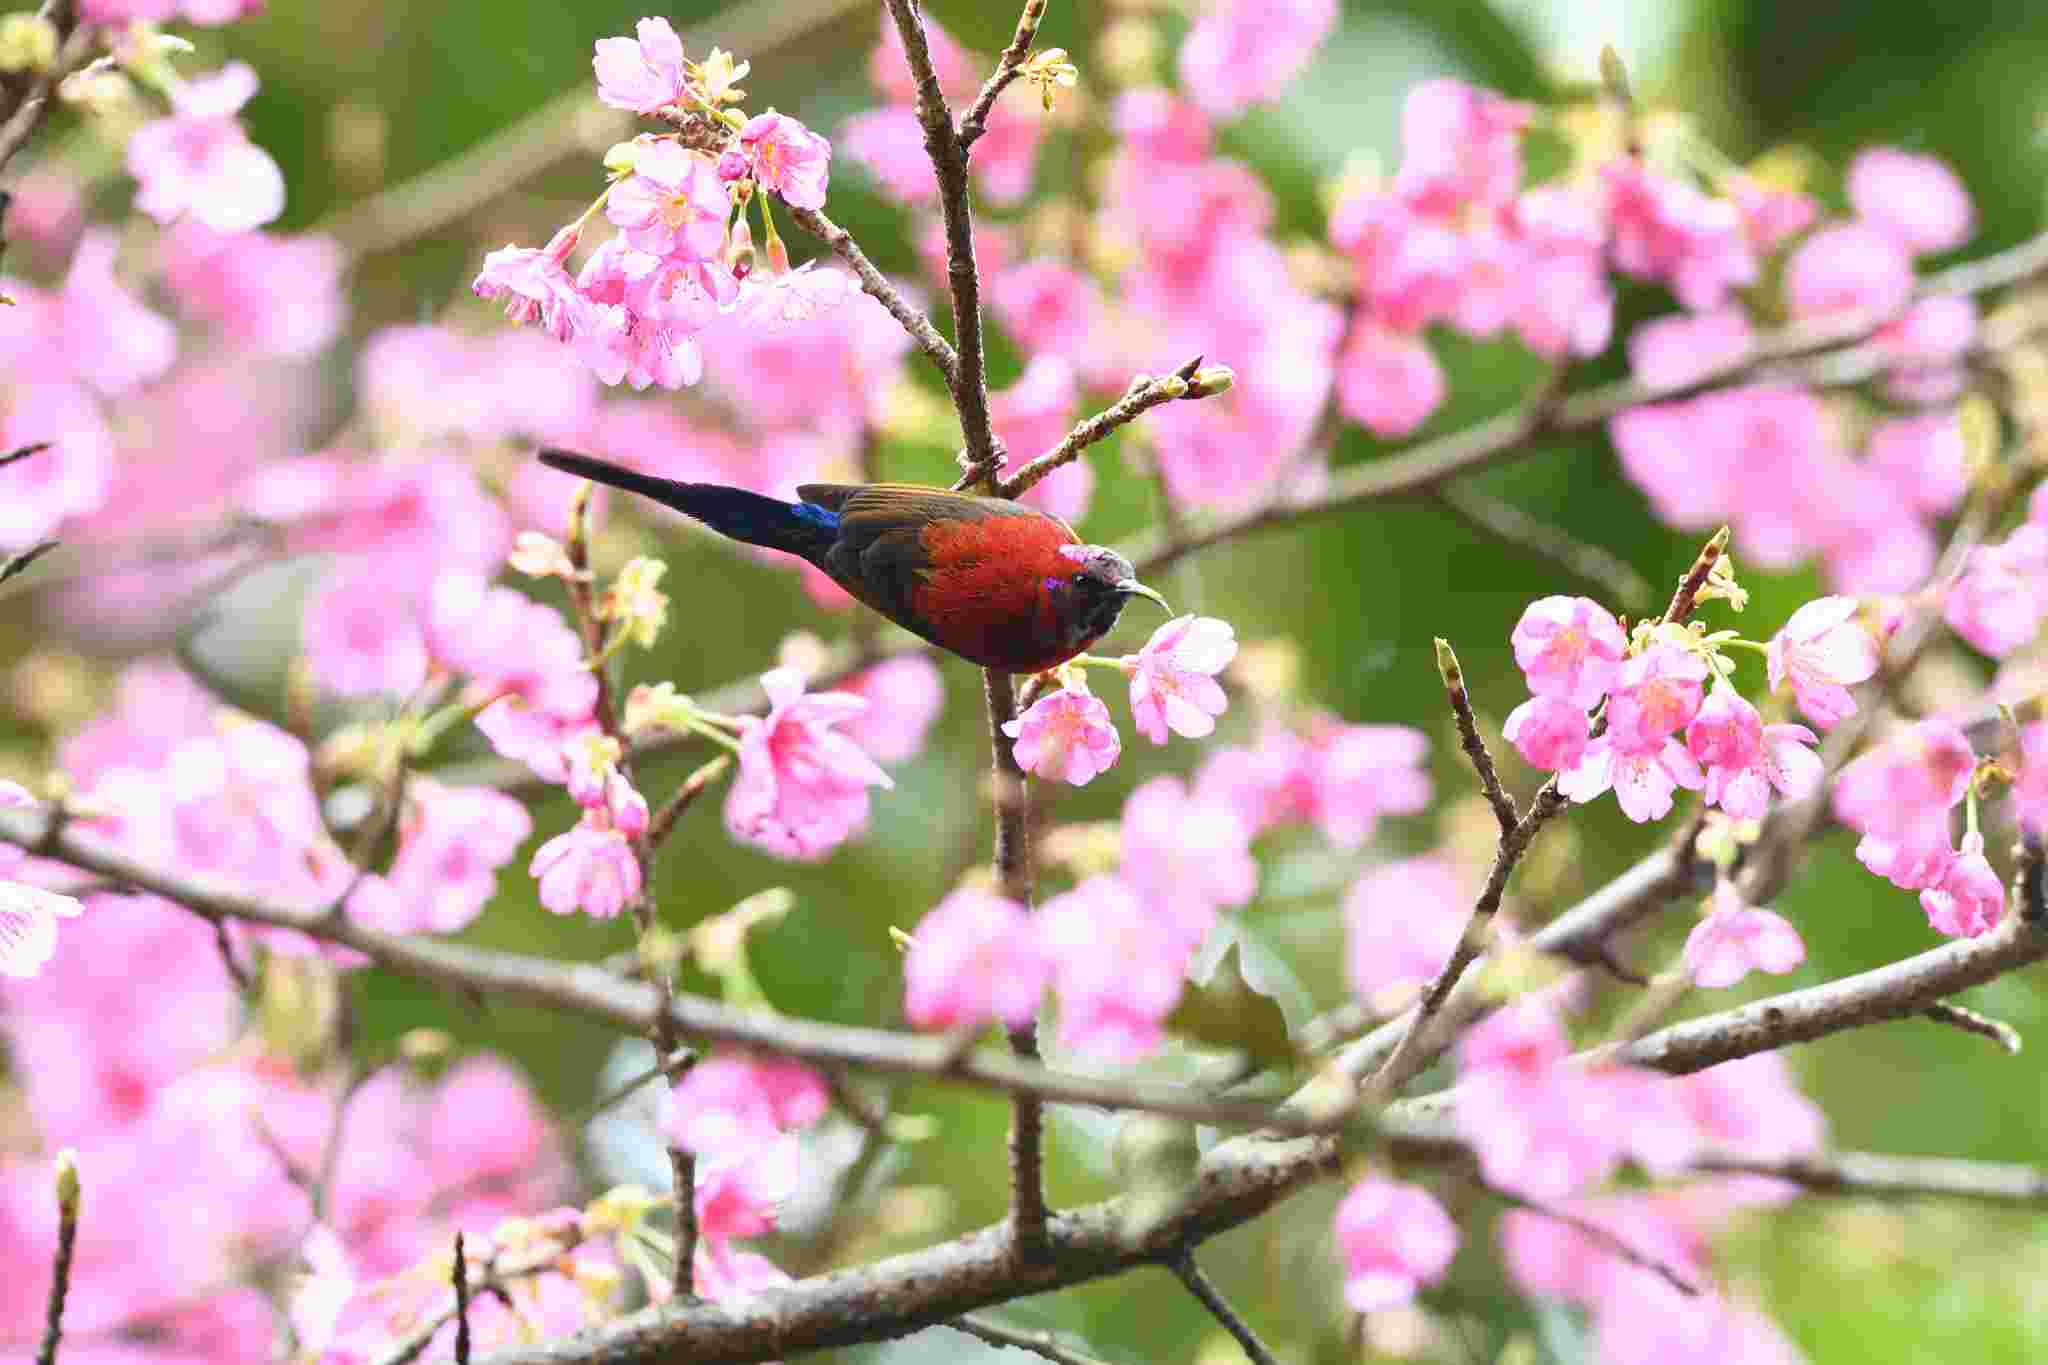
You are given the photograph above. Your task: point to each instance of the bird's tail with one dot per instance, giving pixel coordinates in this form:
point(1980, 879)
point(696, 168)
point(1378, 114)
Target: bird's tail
point(799, 528)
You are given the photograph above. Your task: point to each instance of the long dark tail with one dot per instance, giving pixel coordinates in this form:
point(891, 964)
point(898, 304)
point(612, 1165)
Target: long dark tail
point(799, 528)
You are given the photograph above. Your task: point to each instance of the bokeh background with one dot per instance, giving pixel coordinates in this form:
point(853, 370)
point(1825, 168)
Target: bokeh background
point(378, 109)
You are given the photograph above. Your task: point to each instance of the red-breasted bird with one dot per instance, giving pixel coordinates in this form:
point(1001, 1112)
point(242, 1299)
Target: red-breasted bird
point(998, 583)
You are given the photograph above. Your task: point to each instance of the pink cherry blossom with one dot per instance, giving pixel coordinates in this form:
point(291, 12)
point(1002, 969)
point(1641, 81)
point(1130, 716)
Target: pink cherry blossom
point(1245, 52)
point(1735, 939)
point(588, 868)
point(1460, 147)
point(1362, 772)
point(452, 841)
point(672, 204)
point(536, 286)
point(1401, 921)
point(1753, 1105)
point(1914, 863)
point(642, 77)
point(282, 295)
point(1541, 1127)
point(1186, 855)
point(1569, 648)
point(28, 926)
point(1065, 736)
point(976, 957)
point(1970, 897)
point(1655, 696)
point(1849, 270)
point(1265, 786)
point(1671, 352)
point(802, 788)
point(1922, 459)
point(1548, 732)
point(1934, 332)
point(734, 1100)
point(905, 697)
point(1669, 231)
point(358, 646)
point(788, 158)
point(108, 337)
point(739, 1190)
point(69, 480)
point(1745, 760)
point(1771, 217)
point(199, 161)
point(1998, 601)
point(1823, 651)
point(2030, 788)
point(1388, 381)
point(1048, 306)
point(1117, 968)
point(1916, 200)
point(890, 144)
point(1643, 782)
point(1905, 788)
point(1393, 1238)
point(1173, 678)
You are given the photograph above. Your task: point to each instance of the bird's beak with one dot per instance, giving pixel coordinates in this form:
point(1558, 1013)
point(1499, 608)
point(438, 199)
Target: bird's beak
point(1131, 587)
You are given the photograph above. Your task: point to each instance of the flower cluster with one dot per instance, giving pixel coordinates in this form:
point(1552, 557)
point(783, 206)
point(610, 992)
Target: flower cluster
point(681, 260)
point(1067, 735)
point(1777, 462)
point(739, 1115)
point(1575, 656)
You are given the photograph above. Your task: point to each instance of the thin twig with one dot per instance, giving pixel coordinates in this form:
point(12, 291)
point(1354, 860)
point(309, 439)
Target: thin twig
point(19, 562)
point(22, 120)
point(878, 287)
point(1583, 559)
point(677, 1062)
point(1879, 1175)
point(60, 1270)
point(460, 1276)
point(1611, 1241)
point(1039, 1342)
point(693, 786)
point(1014, 875)
point(1504, 808)
point(1983, 1025)
point(949, 163)
point(23, 452)
point(975, 121)
point(1141, 397)
point(1219, 1308)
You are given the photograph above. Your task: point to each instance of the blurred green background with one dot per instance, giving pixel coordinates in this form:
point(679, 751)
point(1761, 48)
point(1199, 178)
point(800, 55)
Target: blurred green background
point(361, 95)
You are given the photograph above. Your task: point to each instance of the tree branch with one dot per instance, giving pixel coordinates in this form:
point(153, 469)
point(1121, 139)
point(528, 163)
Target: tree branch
point(24, 113)
point(949, 161)
point(1142, 396)
point(878, 287)
point(1876, 1175)
point(1039, 1343)
point(975, 121)
point(1219, 1308)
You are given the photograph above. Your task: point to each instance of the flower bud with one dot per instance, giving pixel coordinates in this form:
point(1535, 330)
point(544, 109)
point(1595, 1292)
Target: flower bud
point(28, 42)
point(1211, 380)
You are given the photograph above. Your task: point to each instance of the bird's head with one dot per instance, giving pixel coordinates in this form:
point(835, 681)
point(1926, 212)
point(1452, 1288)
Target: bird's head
point(1092, 596)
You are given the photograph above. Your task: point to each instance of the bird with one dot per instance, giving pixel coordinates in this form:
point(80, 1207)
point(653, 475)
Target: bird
point(998, 583)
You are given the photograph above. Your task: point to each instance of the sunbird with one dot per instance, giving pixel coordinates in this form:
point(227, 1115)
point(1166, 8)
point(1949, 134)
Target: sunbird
point(999, 584)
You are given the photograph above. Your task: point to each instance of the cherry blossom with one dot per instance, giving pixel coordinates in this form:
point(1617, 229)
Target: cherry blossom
point(1970, 898)
point(1067, 736)
point(1735, 939)
point(802, 787)
point(1173, 678)
point(1393, 1238)
point(976, 957)
point(199, 161)
point(1822, 651)
point(1570, 648)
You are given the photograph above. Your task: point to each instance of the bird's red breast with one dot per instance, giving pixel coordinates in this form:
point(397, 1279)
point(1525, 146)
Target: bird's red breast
point(986, 590)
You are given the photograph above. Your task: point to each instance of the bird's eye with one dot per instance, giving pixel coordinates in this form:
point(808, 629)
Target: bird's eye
point(1079, 580)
